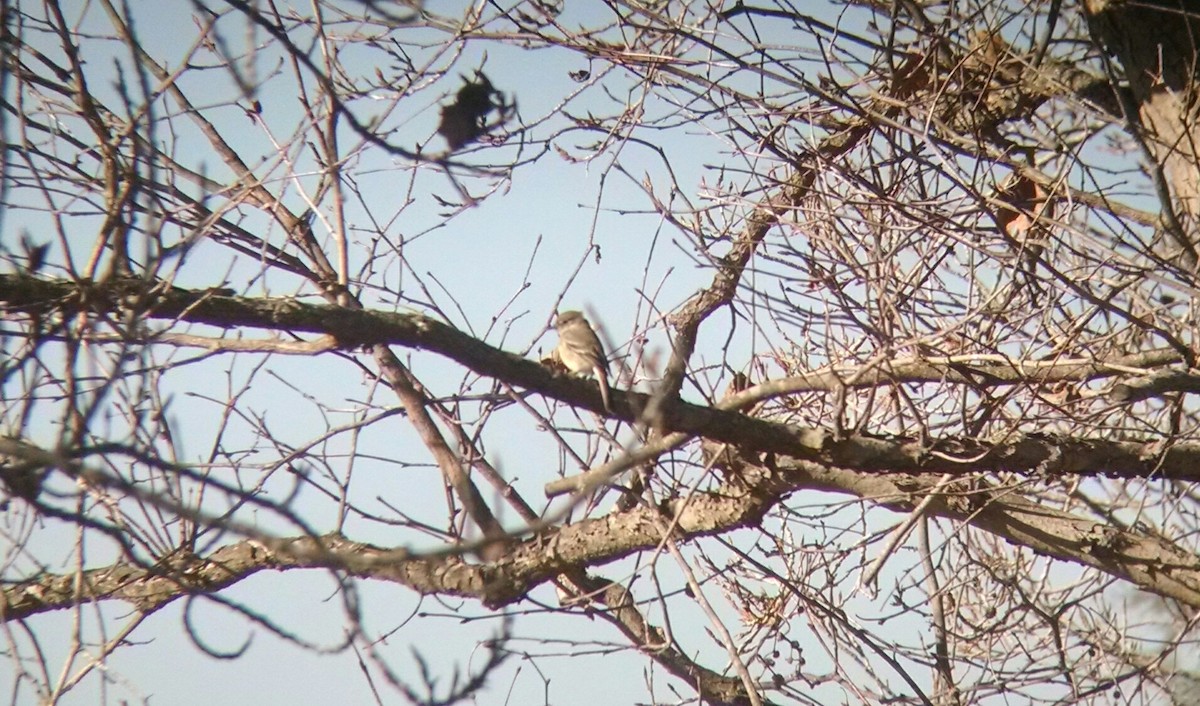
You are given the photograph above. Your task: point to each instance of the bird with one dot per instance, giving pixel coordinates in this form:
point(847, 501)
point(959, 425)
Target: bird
point(579, 349)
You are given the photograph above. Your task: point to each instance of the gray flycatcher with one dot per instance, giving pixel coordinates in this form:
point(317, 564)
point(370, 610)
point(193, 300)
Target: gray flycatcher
point(579, 349)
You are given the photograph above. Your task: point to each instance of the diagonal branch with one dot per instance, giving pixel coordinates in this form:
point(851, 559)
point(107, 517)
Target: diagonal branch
point(1044, 453)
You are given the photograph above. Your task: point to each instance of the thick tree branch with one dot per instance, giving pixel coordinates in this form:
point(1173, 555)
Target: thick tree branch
point(354, 327)
point(1144, 559)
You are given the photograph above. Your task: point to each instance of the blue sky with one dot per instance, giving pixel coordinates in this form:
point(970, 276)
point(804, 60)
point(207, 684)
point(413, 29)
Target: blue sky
point(499, 268)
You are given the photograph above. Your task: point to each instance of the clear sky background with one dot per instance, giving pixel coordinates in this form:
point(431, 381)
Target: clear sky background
point(524, 245)
point(529, 247)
